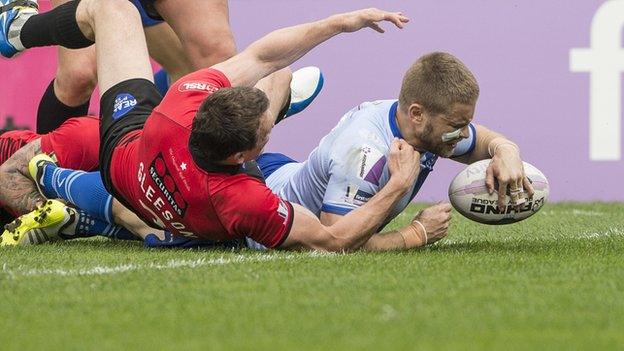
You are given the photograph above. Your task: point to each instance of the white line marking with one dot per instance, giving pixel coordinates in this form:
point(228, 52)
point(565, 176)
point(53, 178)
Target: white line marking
point(609, 233)
point(574, 212)
point(613, 232)
point(171, 264)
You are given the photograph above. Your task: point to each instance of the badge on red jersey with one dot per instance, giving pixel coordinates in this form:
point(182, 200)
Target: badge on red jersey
point(197, 86)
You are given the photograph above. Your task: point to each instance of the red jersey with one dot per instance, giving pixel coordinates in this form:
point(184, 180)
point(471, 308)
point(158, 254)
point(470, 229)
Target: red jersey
point(153, 171)
point(75, 144)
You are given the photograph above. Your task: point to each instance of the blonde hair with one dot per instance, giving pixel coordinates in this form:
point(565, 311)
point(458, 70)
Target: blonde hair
point(437, 81)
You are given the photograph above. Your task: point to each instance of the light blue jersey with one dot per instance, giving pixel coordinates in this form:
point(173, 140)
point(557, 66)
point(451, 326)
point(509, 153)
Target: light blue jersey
point(350, 164)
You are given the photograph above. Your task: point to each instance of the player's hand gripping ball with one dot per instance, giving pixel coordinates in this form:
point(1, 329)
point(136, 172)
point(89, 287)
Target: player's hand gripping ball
point(469, 195)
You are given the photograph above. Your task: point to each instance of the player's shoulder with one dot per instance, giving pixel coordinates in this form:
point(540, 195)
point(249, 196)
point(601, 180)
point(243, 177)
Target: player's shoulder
point(240, 192)
point(207, 80)
point(368, 127)
point(372, 115)
point(239, 185)
point(375, 108)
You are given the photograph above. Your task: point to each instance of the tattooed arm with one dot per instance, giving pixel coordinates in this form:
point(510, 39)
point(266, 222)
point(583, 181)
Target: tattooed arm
point(17, 190)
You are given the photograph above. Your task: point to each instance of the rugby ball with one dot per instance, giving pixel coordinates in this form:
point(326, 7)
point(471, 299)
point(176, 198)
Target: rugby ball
point(469, 196)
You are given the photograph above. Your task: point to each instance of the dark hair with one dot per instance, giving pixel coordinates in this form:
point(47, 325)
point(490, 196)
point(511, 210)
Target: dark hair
point(227, 122)
point(437, 81)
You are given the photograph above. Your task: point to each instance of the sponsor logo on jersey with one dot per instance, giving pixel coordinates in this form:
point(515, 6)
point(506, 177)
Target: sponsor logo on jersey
point(165, 199)
point(124, 103)
point(371, 164)
point(361, 197)
point(197, 86)
point(161, 176)
point(356, 196)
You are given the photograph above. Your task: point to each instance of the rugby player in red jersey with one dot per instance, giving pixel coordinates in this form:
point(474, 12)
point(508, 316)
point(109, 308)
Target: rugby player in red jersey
point(181, 170)
point(73, 145)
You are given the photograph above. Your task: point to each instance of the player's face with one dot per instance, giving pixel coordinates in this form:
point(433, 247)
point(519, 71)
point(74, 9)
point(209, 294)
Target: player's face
point(441, 133)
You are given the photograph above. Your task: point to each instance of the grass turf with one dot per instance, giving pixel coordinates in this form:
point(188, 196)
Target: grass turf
point(554, 281)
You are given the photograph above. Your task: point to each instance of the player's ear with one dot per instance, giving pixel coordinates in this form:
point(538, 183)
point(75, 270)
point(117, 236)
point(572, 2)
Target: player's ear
point(237, 158)
point(240, 157)
point(415, 113)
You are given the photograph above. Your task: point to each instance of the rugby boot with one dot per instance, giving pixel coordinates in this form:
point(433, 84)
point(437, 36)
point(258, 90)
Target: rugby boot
point(36, 167)
point(42, 225)
point(305, 86)
point(13, 15)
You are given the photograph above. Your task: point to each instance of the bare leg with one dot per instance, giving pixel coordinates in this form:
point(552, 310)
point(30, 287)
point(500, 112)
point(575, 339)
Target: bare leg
point(76, 75)
point(203, 27)
point(277, 88)
point(121, 49)
point(165, 47)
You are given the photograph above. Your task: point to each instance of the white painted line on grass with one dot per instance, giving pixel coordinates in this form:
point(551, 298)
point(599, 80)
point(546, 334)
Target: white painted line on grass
point(609, 233)
point(170, 264)
point(573, 212)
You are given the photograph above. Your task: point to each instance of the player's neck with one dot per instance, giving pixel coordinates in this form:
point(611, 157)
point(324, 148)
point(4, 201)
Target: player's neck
point(408, 134)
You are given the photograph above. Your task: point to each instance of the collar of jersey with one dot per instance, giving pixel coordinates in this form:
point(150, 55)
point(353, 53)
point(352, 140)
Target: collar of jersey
point(393, 121)
point(213, 167)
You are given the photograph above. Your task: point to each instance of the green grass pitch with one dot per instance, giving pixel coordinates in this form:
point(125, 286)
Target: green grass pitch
point(552, 282)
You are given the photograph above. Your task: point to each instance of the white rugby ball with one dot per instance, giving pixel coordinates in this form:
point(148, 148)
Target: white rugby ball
point(469, 196)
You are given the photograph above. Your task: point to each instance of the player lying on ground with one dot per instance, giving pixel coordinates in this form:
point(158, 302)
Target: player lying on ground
point(182, 170)
point(433, 114)
point(21, 189)
point(74, 144)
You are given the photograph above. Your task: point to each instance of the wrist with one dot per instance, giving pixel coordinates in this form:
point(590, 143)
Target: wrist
point(498, 145)
point(396, 186)
point(414, 235)
point(336, 23)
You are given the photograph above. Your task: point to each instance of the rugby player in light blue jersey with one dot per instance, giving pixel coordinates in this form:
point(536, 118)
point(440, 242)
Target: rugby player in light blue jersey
point(433, 114)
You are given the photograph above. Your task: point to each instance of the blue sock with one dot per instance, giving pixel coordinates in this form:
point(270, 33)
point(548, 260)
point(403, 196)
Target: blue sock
point(87, 225)
point(162, 81)
point(83, 189)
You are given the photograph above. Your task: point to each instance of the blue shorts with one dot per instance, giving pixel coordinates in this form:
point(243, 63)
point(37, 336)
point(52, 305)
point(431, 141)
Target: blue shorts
point(270, 162)
point(145, 18)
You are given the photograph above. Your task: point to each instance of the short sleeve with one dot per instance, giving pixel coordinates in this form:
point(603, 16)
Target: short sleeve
point(356, 175)
point(75, 144)
point(466, 145)
point(250, 209)
point(187, 93)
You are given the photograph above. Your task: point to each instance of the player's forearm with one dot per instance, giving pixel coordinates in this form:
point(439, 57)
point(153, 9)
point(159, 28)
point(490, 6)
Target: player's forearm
point(17, 191)
point(356, 228)
point(488, 143)
point(124, 217)
point(282, 47)
point(390, 241)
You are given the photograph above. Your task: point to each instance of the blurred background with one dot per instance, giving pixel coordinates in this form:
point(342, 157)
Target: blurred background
point(532, 88)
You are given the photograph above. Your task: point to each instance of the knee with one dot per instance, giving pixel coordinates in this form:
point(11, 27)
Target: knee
point(207, 50)
point(112, 8)
point(75, 82)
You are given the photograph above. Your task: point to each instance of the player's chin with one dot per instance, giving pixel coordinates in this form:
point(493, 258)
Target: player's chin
point(446, 151)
